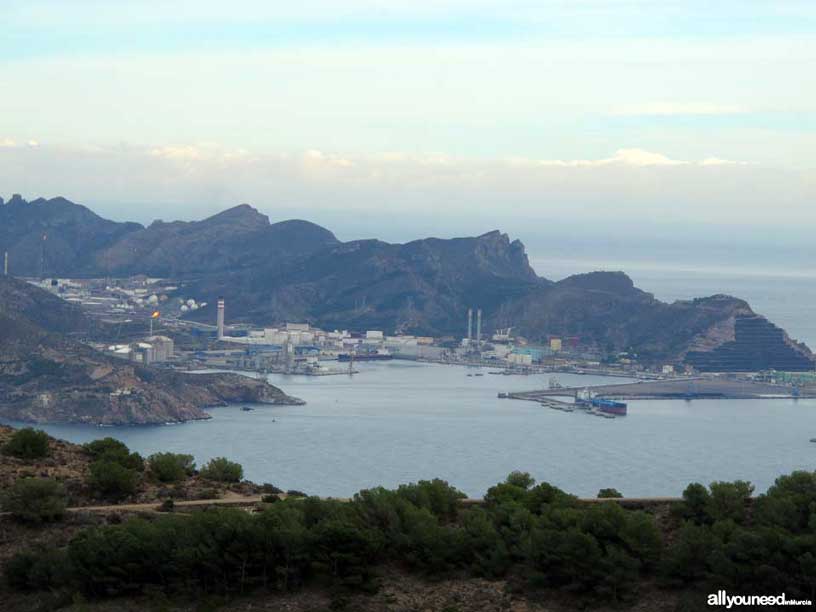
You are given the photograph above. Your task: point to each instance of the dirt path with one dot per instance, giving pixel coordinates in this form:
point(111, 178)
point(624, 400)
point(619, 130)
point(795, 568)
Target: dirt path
point(235, 499)
point(229, 499)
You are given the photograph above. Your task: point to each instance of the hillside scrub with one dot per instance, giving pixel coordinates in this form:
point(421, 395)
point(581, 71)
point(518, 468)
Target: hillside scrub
point(222, 469)
point(27, 444)
point(535, 534)
point(35, 500)
point(115, 472)
point(170, 467)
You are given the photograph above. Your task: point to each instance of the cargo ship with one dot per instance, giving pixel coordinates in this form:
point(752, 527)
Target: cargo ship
point(607, 406)
point(380, 355)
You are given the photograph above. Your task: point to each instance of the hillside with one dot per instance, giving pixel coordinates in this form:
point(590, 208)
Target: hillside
point(47, 377)
point(422, 286)
point(298, 271)
point(54, 237)
point(237, 238)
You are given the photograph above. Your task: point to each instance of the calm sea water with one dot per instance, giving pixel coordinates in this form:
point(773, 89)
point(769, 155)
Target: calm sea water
point(399, 421)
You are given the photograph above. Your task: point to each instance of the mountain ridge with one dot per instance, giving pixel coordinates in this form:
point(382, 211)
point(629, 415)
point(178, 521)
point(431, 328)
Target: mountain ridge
point(296, 270)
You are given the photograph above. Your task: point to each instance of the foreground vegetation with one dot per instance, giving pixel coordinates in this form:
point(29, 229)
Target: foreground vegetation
point(534, 535)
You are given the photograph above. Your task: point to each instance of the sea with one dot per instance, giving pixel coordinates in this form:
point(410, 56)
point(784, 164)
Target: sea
point(399, 421)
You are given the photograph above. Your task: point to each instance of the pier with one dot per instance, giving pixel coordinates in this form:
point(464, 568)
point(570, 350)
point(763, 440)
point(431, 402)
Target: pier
point(685, 389)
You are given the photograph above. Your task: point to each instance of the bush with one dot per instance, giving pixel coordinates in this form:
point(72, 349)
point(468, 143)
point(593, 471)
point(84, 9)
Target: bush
point(222, 469)
point(111, 479)
point(97, 448)
point(435, 495)
point(37, 569)
point(696, 499)
point(112, 450)
point(728, 500)
point(35, 500)
point(170, 467)
point(27, 443)
point(609, 494)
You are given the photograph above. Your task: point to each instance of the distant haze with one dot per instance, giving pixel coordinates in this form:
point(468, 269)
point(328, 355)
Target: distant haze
point(608, 130)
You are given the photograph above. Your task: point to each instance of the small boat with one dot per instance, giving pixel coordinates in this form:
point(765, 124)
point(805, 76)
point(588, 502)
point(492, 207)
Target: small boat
point(813, 439)
point(247, 409)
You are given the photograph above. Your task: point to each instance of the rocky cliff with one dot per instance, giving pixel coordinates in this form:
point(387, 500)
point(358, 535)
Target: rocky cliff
point(298, 271)
point(47, 377)
point(235, 239)
point(54, 237)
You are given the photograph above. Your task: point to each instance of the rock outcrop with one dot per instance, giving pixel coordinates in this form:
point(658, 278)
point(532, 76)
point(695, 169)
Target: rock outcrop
point(47, 377)
point(298, 271)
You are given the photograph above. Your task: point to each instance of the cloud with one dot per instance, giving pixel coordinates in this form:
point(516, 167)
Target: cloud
point(627, 157)
point(666, 109)
point(190, 181)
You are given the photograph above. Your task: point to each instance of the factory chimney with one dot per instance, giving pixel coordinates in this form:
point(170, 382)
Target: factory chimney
point(470, 325)
point(479, 327)
point(220, 319)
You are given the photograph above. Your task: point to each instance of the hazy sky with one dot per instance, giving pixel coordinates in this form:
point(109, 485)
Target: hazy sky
point(445, 117)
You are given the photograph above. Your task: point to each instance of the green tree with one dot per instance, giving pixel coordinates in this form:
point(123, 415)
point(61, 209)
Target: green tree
point(728, 500)
point(170, 467)
point(35, 500)
point(27, 443)
point(97, 448)
point(110, 449)
point(111, 479)
point(222, 469)
point(696, 499)
point(609, 494)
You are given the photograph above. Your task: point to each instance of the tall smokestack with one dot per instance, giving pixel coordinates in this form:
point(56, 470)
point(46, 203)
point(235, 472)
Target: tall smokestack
point(470, 324)
point(220, 319)
point(479, 327)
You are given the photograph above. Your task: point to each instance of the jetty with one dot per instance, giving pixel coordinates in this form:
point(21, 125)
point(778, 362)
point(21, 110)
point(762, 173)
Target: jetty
point(679, 388)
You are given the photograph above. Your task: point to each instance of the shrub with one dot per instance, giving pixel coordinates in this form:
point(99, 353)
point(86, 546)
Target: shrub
point(27, 443)
point(97, 448)
point(695, 501)
point(111, 479)
point(222, 469)
point(435, 495)
point(112, 450)
point(296, 493)
point(520, 479)
point(37, 569)
point(609, 494)
point(35, 500)
point(170, 467)
point(727, 500)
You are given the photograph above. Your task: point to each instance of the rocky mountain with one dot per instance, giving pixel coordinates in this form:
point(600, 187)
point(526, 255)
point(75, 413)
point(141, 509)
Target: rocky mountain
point(47, 377)
point(422, 286)
point(297, 271)
point(235, 239)
point(54, 237)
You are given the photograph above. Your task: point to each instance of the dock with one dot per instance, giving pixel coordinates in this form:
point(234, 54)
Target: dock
point(683, 388)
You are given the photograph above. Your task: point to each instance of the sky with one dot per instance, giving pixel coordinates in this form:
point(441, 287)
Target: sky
point(619, 121)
